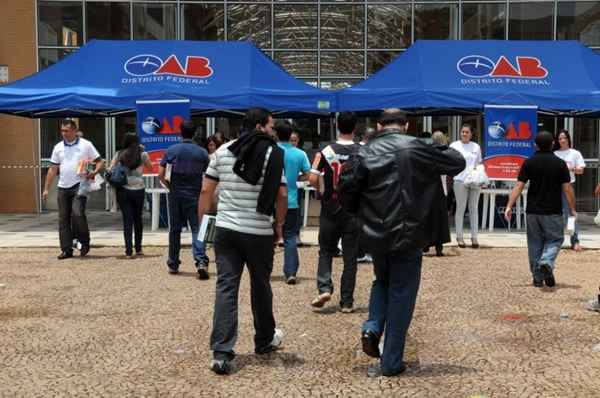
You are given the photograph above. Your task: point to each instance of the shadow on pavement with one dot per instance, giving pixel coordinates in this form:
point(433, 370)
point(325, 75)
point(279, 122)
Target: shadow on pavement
point(277, 359)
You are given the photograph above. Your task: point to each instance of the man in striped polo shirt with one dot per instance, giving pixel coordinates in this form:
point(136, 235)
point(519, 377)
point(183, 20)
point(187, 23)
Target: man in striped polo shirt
point(249, 173)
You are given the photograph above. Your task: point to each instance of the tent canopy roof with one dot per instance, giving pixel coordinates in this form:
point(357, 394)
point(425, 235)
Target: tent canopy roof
point(105, 78)
point(461, 76)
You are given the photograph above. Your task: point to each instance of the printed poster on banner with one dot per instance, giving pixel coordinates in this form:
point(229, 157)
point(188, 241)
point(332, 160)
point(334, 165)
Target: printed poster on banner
point(509, 139)
point(159, 126)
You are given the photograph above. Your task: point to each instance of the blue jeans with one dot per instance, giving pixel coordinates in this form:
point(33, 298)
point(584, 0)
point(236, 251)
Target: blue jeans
point(566, 213)
point(544, 239)
point(392, 302)
point(290, 243)
point(184, 211)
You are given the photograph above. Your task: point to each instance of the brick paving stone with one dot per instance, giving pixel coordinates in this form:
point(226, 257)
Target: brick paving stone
point(106, 326)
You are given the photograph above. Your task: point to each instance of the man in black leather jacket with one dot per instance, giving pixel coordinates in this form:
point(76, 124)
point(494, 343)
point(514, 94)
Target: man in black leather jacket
point(392, 185)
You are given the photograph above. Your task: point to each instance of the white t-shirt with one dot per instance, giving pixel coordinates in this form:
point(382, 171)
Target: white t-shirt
point(472, 154)
point(572, 158)
point(68, 156)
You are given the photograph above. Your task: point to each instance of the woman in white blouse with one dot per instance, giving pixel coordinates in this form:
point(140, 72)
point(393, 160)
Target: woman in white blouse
point(574, 160)
point(467, 195)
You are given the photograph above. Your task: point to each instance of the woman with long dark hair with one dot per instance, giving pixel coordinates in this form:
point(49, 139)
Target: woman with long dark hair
point(213, 143)
point(563, 148)
point(130, 197)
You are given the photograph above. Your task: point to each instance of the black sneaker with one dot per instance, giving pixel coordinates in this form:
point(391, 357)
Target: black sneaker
point(370, 343)
point(203, 272)
point(537, 283)
point(85, 249)
point(291, 280)
point(172, 269)
point(548, 275)
point(220, 366)
point(64, 255)
point(395, 372)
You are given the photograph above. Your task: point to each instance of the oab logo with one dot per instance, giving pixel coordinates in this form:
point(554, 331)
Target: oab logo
point(478, 66)
point(518, 130)
point(151, 125)
point(496, 130)
point(146, 68)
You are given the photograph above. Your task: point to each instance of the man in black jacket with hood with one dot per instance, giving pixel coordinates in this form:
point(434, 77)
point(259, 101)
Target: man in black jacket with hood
point(392, 186)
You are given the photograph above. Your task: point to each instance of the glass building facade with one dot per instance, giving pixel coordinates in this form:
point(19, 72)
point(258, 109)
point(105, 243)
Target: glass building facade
point(330, 44)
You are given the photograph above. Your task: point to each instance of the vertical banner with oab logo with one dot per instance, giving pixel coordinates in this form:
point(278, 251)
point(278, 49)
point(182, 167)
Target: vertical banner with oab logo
point(509, 136)
point(159, 126)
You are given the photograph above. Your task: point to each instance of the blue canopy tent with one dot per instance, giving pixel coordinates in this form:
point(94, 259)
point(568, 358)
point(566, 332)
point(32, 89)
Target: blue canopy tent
point(105, 78)
point(458, 77)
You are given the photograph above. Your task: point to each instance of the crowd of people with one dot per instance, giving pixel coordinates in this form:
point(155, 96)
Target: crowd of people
point(384, 197)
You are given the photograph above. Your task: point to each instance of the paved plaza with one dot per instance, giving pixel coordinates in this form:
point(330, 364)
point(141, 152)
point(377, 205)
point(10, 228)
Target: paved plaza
point(107, 326)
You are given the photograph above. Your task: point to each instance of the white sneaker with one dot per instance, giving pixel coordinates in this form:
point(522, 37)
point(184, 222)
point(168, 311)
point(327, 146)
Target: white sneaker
point(277, 338)
point(274, 345)
point(365, 259)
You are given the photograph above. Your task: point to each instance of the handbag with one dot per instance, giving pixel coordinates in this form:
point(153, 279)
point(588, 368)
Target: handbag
point(477, 177)
point(117, 176)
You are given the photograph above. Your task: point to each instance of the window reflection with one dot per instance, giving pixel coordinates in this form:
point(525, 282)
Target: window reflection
point(298, 63)
point(342, 63)
point(204, 21)
point(436, 21)
point(108, 21)
point(295, 26)
point(483, 21)
point(250, 22)
point(49, 136)
point(342, 26)
point(584, 189)
point(230, 127)
point(579, 21)
point(378, 59)
point(585, 137)
point(530, 21)
point(60, 24)
point(50, 56)
point(389, 26)
point(154, 21)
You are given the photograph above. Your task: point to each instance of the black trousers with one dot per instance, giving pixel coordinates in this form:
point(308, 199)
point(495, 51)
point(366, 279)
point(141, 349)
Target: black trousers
point(71, 211)
point(331, 228)
point(131, 203)
point(233, 250)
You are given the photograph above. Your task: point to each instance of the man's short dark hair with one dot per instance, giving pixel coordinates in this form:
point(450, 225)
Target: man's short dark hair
point(392, 116)
point(69, 122)
point(256, 116)
point(544, 141)
point(346, 122)
point(284, 130)
point(188, 129)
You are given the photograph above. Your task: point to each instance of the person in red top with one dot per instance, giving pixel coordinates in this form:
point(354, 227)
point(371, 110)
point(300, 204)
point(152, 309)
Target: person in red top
point(334, 222)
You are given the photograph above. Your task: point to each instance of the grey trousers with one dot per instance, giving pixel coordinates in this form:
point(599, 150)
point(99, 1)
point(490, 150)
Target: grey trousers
point(466, 196)
point(233, 250)
point(71, 213)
